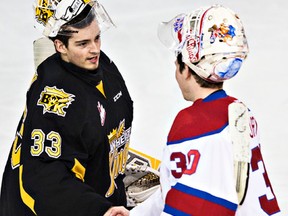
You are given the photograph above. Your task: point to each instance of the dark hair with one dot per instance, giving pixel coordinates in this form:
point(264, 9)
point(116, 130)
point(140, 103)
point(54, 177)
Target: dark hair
point(65, 34)
point(202, 82)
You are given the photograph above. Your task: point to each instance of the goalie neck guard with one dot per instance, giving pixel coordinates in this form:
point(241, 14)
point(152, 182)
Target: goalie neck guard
point(52, 15)
point(211, 39)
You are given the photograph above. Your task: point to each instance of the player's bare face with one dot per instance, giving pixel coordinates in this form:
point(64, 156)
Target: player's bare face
point(84, 47)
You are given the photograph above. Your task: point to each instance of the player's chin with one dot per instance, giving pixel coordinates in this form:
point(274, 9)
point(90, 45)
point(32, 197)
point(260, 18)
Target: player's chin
point(91, 66)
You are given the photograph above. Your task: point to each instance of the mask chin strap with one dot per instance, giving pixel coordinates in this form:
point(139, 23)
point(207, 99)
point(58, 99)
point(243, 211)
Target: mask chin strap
point(199, 71)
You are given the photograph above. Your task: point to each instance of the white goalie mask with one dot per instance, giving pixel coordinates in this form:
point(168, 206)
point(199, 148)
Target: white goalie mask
point(211, 39)
point(51, 15)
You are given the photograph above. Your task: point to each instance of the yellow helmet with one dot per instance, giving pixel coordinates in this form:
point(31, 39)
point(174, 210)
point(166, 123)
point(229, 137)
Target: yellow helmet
point(51, 15)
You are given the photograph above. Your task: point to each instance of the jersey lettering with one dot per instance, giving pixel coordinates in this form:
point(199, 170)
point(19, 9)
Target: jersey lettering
point(253, 127)
point(193, 159)
point(185, 166)
point(180, 163)
point(39, 137)
point(268, 206)
point(119, 146)
point(53, 151)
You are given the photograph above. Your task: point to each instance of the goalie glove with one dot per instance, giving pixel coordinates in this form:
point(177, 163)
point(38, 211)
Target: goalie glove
point(141, 181)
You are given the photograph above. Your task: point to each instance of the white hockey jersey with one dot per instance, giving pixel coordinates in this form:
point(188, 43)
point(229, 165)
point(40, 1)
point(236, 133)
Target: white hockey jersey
point(197, 176)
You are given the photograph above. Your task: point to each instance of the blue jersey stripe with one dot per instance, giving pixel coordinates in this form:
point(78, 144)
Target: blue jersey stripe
point(206, 196)
point(198, 136)
point(170, 210)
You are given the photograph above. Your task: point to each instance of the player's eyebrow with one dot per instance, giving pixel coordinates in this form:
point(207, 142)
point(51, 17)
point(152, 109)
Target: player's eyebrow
point(87, 40)
point(81, 41)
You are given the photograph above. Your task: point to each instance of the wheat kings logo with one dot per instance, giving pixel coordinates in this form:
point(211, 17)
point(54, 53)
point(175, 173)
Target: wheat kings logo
point(55, 100)
point(119, 139)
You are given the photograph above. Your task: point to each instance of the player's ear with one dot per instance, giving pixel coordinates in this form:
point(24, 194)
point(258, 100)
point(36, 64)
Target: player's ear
point(186, 72)
point(60, 46)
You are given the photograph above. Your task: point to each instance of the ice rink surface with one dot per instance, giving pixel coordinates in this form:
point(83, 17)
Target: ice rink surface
point(148, 69)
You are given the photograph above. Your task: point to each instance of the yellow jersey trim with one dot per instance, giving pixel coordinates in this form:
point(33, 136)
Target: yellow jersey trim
point(79, 170)
point(26, 198)
point(100, 87)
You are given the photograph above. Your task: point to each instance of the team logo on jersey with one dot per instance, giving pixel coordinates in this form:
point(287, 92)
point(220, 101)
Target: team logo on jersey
point(55, 100)
point(119, 139)
point(102, 113)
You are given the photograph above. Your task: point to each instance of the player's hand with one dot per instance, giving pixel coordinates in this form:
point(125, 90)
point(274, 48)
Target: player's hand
point(117, 211)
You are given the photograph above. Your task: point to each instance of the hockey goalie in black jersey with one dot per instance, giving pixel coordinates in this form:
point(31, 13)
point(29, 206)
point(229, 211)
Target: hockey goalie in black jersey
point(70, 149)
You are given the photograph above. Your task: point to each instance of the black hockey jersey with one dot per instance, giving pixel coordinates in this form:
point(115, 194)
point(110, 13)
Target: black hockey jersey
point(70, 150)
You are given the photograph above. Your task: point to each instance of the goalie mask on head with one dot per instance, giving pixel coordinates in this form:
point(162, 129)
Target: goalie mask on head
point(52, 15)
point(211, 40)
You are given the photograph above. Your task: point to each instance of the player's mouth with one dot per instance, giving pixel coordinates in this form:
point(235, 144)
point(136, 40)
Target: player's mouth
point(93, 59)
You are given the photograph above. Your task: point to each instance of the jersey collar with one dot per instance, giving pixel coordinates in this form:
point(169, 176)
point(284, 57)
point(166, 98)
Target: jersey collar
point(215, 95)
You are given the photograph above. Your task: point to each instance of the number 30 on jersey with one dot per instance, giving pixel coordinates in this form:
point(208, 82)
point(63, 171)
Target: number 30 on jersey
point(185, 164)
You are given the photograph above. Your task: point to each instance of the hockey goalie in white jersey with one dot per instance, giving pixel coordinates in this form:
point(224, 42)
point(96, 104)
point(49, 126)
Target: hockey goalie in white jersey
point(212, 163)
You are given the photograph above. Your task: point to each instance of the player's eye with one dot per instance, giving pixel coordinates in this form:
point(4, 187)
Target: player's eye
point(82, 44)
point(98, 37)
